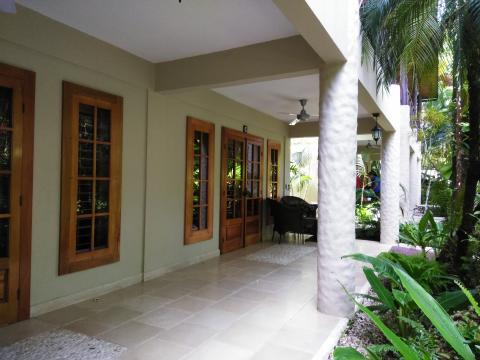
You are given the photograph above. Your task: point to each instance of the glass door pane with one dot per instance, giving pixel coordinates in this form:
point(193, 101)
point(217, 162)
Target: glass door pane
point(234, 178)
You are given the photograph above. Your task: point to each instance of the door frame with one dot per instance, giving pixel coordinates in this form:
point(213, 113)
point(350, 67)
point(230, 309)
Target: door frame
point(27, 79)
point(227, 132)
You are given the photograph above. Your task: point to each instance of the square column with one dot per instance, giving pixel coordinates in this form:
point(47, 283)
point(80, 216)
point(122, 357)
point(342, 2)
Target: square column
point(405, 160)
point(336, 175)
point(390, 188)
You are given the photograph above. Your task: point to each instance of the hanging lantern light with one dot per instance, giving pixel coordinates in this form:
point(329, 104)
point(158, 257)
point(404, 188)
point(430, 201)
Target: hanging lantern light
point(376, 131)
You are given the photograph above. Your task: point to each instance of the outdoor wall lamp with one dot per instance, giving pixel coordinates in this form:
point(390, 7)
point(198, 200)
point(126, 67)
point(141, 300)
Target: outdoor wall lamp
point(376, 131)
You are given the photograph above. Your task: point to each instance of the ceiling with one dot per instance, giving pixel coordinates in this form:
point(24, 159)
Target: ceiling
point(279, 98)
point(162, 30)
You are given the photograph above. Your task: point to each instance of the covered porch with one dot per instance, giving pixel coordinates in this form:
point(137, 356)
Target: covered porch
point(150, 155)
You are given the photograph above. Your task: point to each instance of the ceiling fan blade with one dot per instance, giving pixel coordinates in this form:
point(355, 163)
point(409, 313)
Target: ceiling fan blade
point(8, 6)
point(285, 113)
point(294, 122)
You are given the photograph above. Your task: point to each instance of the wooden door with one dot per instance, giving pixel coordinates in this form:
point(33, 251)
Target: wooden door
point(15, 193)
point(253, 190)
point(241, 190)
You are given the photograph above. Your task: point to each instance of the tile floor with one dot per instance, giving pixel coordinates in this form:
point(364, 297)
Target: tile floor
point(224, 308)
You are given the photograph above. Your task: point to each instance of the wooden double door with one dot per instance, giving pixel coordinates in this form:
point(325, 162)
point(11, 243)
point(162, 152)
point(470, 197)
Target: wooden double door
point(16, 154)
point(241, 190)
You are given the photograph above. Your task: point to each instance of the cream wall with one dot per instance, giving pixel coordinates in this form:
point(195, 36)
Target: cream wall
point(50, 71)
point(164, 249)
point(153, 200)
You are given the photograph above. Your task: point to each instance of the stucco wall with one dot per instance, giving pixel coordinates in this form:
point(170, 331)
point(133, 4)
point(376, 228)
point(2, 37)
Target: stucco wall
point(164, 249)
point(56, 53)
point(50, 71)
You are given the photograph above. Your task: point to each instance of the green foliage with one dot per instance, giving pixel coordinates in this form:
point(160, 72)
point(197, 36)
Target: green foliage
point(298, 179)
point(436, 314)
point(430, 274)
point(419, 343)
point(427, 233)
point(367, 221)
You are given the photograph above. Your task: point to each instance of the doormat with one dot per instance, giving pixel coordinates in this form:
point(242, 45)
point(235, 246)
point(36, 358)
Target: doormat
point(282, 254)
point(61, 345)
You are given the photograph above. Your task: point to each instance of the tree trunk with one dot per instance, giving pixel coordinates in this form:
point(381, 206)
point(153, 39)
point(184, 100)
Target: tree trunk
point(457, 160)
point(472, 172)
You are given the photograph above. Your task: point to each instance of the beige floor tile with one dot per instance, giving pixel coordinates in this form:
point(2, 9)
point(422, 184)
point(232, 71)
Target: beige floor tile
point(217, 350)
point(164, 318)
point(192, 284)
point(65, 315)
point(268, 286)
point(173, 291)
point(214, 319)
point(88, 327)
point(130, 334)
point(23, 329)
point(189, 303)
point(157, 349)
point(115, 316)
point(266, 317)
point(144, 303)
point(236, 305)
point(253, 295)
point(246, 335)
point(187, 334)
point(213, 293)
point(97, 304)
point(309, 318)
point(299, 339)
point(229, 284)
point(275, 352)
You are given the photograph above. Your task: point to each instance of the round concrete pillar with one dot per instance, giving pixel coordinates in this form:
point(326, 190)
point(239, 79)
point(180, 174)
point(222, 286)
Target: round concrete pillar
point(390, 188)
point(336, 175)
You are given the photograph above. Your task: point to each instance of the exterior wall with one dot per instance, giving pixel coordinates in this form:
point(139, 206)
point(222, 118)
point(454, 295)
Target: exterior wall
point(56, 53)
point(405, 160)
point(164, 249)
point(50, 71)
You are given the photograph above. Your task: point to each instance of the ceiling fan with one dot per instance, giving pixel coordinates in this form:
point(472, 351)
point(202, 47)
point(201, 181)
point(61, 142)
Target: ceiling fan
point(8, 6)
point(303, 115)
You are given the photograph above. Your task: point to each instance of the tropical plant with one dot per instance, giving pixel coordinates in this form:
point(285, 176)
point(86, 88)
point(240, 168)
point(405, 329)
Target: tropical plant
point(426, 233)
point(429, 308)
point(298, 179)
point(404, 40)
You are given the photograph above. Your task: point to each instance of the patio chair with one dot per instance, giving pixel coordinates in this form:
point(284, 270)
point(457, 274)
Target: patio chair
point(286, 219)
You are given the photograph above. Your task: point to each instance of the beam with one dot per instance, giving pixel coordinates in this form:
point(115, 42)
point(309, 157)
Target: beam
point(318, 23)
point(287, 57)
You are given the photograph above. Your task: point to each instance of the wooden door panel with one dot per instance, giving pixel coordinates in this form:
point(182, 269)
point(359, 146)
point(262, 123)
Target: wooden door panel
point(232, 202)
point(10, 189)
point(241, 190)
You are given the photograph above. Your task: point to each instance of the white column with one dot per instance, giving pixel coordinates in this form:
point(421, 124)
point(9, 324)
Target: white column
point(336, 170)
point(418, 193)
point(390, 187)
point(405, 160)
point(413, 180)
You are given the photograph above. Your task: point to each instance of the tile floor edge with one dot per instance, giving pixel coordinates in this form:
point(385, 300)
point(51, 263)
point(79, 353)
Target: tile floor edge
point(58, 303)
point(180, 265)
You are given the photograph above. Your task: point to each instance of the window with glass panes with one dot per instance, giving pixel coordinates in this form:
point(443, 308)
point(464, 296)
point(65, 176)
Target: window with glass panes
point(273, 169)
point(200, 146)
point(91, 178)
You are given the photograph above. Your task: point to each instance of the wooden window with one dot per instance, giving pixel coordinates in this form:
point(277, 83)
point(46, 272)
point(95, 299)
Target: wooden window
point(273, 169)
point(199, 181)
point(91, 178)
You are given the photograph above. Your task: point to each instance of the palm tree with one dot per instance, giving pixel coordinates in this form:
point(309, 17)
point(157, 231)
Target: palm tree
point(404, 40)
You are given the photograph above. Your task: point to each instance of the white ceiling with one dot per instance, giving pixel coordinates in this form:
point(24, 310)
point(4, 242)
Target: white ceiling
point(162, 30)
point(279, 98)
